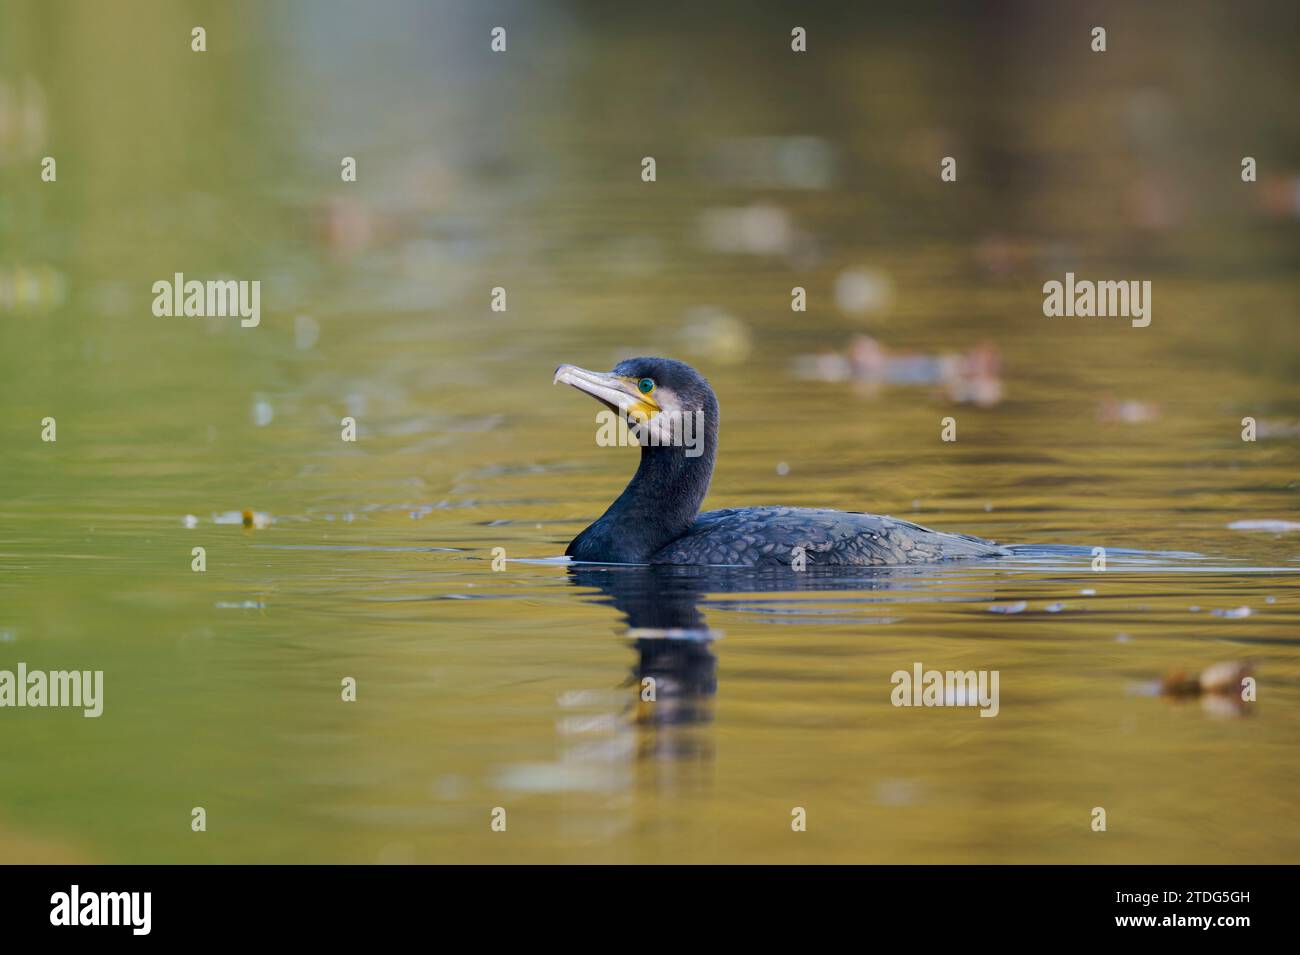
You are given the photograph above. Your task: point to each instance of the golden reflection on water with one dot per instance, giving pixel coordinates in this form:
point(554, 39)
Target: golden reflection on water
point(523, 688)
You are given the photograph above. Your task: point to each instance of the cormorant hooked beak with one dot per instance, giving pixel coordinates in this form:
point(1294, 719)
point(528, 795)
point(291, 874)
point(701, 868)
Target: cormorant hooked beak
point(616, 392)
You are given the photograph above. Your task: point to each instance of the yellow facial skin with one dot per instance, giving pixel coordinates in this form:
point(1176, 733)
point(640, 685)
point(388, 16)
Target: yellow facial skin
point(614, 391)
point(644, 407)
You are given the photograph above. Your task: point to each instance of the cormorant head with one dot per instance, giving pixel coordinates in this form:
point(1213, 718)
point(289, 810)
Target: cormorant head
point(672, 412)
point(641, 389)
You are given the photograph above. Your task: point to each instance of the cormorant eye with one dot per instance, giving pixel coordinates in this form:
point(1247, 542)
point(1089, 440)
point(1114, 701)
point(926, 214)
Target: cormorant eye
point(646, 385)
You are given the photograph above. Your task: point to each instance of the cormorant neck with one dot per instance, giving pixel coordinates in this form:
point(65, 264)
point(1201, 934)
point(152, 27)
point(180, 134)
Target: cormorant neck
point(658, 505)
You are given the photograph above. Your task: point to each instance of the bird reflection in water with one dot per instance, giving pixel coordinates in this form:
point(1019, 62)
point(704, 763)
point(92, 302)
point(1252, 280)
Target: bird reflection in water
point(675, 677)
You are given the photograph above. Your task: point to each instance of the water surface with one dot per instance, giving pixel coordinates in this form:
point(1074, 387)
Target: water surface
point(520, 687)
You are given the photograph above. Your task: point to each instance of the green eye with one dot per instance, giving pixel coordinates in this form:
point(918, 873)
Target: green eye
point(646, 385)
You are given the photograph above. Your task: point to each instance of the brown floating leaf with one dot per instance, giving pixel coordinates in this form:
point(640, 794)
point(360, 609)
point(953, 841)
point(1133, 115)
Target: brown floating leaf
point(1220, 678)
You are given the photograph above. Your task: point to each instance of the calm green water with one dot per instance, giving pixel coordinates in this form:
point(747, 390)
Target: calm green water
point(519, 688)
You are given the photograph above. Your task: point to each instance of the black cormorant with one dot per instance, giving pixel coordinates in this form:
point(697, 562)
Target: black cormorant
point(657, 519)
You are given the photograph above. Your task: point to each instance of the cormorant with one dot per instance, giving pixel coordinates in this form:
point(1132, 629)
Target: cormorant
point(657, 519)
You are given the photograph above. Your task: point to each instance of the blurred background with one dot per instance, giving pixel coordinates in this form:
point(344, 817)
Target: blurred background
point(522, 170)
